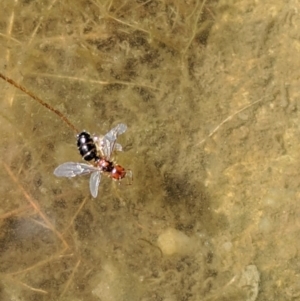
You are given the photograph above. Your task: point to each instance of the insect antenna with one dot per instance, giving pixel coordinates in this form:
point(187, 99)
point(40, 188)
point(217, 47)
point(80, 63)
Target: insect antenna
point(43, 103)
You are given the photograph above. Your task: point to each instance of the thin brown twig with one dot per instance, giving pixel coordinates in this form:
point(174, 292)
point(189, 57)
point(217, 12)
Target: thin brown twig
point(229, 118)
point(37, 290)
point(76, 213)
point(14, 212)
point(35, 205)
point(9, 30)
point(40, 263)
point(39, 100)
point(95, 81)
point(70, 278)
point(195, 26)
point(39, 23)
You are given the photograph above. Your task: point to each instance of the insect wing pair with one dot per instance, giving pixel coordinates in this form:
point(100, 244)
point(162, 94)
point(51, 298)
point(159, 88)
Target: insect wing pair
point(106, 146)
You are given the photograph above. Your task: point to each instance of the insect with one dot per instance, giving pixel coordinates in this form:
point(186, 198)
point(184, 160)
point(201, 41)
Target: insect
point(87, 146)
point(98, 150)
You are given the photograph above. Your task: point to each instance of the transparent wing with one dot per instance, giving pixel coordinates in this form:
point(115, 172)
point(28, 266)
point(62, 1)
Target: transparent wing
point(94, 183)
point(116, 131)
point(99, 143)
point(73, 169)
point(118, 147)
point(108, 142)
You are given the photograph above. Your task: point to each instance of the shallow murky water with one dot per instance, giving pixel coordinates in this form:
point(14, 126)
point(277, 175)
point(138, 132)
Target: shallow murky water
point(209, 91)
